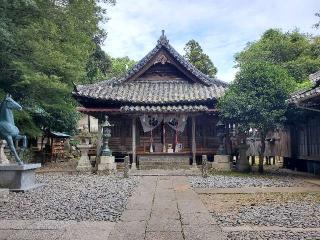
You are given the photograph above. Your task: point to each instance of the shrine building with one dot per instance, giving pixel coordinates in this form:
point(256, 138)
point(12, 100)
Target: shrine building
point(163, 110)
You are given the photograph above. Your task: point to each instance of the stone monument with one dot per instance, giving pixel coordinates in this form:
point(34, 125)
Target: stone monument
point(107, 162)
point(84, 146)
point(221, 160)
point(242, 164)
point(20, 176)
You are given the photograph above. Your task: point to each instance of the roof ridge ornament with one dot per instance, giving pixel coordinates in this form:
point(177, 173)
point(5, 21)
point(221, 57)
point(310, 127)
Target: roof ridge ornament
point(163, 40)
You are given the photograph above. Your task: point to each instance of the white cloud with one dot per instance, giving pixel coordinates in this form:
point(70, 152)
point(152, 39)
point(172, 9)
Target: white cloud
point(221, 27)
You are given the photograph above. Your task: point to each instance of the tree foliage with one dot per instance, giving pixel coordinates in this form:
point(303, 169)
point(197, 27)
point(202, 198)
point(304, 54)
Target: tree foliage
point(295, 52)
point(257, 98)
point(45, 46)
point(195, 55)
point(119, 66)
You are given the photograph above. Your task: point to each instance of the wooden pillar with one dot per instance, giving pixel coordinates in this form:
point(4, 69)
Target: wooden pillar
point(133, 166)
point(193, 128)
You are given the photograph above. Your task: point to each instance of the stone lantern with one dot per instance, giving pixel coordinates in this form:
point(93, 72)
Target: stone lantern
point(221, 160)
point(84, 146)
point(221, 134)
point(106, 134)
point(107, 161)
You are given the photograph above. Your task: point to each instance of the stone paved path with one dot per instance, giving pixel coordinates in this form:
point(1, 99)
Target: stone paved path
point(54, 230)
point(165, 207)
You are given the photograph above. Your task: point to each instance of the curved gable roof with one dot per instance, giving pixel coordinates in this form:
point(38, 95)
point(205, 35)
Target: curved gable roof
point(123, 89)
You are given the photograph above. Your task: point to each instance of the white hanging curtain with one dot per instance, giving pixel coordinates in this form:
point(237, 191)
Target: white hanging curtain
point(150, 122)
point(176, 121)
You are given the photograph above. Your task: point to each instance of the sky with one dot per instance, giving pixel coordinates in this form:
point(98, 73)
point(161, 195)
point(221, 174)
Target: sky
point(222, 27)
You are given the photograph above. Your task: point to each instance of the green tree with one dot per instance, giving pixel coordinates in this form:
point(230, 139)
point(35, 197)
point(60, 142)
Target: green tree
point(45, 46)
point(257, 99)
point(195, 55)
point(295, 52)
point(119, 66)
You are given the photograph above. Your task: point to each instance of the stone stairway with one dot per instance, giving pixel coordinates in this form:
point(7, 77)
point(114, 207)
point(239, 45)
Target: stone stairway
point(163, 162)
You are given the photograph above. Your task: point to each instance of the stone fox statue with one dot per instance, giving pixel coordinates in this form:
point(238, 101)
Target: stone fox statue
point(8, 130)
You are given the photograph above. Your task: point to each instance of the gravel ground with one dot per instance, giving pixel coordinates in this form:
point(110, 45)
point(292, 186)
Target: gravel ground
point(221, 181)
point(279, 235)
point(304, 214)
point(71, 197)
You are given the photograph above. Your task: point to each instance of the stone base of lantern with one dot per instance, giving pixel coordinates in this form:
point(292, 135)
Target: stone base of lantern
point(221, 163)
point(84, 164)
point(107, 165)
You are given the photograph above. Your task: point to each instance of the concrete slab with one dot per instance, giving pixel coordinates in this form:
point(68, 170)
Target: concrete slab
point(163, 224)
point(5, 234)
point(164, 236)
point(15, 224)
point(36, 235)
point(135, 215)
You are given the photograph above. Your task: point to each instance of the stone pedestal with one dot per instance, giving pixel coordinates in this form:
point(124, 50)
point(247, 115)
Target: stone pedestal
point(221, 162)
point(18, 177)
point(3, 157)
point(84, 164)
point(4, 193)
point(242, 164)
point(107, 164)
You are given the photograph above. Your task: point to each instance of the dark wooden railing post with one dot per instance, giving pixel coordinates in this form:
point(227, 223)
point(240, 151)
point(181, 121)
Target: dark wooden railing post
point(133, 166)
point(193, 128)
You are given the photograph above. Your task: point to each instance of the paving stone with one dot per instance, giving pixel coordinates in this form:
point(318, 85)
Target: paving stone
point(137, 227)
point(164, 236)
point(202, 232)
point(15, 224)
point(191, 207)
point(84, 234)
point(161, 224)
point(49, 225)
point(126, 236)
point(36, 235)
point(168, 212)
point(196, 218)
point(135, 215)
point(96, 225)
point(5, 234)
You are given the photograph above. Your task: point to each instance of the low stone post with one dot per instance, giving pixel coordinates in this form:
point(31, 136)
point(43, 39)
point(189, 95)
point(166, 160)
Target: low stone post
point(242, 164)
point(126, 167)
point(204, 166)
point(3, 157)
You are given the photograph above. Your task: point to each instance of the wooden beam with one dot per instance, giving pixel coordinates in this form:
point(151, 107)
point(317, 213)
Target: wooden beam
point(133, 166)
point(85, 110)
point(194, 150)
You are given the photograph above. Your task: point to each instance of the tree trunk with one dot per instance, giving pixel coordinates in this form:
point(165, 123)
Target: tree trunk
point(261, 156)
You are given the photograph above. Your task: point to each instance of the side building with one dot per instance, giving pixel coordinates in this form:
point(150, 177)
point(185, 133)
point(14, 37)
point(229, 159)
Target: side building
point(305, 132)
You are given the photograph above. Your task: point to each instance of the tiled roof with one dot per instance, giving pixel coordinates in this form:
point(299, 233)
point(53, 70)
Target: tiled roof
point(167, 109)
point(302, 95)
point(315, 77)
point(152, 92)
point(155, 92)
